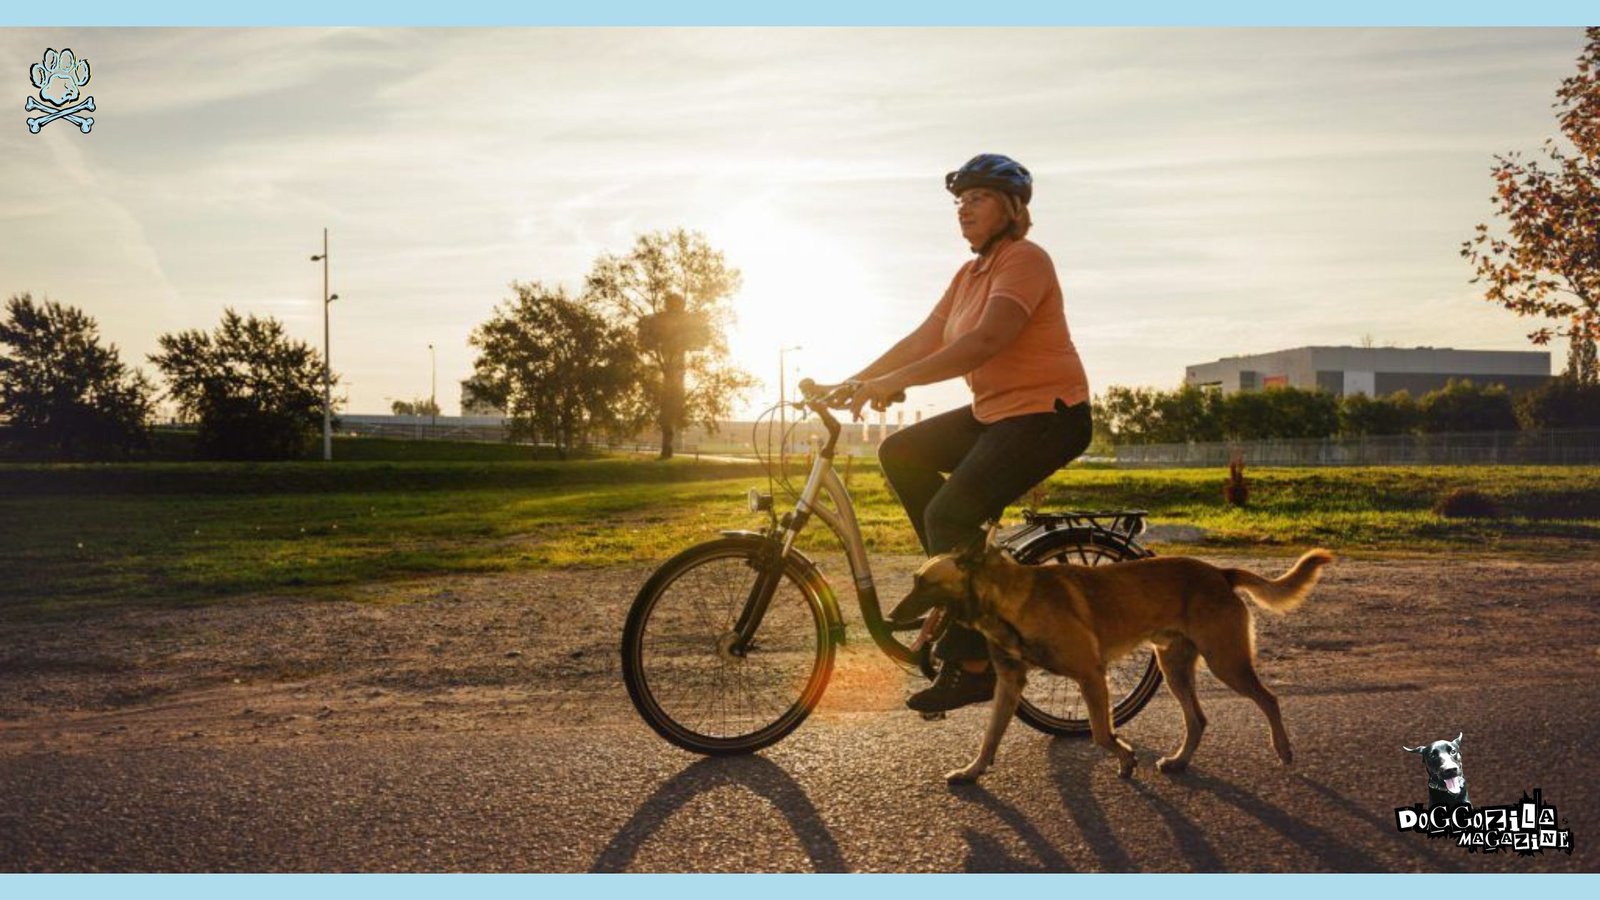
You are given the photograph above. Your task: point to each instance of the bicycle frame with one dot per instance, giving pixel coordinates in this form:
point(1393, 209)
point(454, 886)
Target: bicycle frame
point(841, 520)
point(1121, 527)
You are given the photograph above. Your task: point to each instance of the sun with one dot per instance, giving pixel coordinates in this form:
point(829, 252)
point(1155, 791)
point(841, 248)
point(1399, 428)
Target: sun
point(802, 288)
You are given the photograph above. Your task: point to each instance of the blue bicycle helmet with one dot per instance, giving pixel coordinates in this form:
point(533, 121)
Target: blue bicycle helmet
point(992, 170)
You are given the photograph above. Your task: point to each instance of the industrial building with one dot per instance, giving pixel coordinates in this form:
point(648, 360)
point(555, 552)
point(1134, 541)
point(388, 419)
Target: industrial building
point(1374, 371)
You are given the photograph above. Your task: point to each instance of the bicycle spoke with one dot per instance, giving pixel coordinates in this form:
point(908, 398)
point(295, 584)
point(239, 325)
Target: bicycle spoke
point(693, 678)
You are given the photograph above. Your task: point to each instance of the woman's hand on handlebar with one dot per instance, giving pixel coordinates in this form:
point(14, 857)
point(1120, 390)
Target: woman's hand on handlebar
point(878, 392)
point(853, 394)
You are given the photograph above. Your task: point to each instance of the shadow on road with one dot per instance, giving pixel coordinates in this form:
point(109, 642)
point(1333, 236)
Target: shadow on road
point(753, 773)
point(1070, 763)
point(1430, 854)
point(1189, 836)
point(1320, 843)
point(985, 854)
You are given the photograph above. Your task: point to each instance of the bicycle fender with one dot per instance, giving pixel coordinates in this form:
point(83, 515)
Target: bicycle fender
point(814, 579)
point(1040, 541)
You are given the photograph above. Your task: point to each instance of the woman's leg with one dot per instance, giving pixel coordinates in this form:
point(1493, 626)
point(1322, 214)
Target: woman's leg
point(915, 458)
point(1008, 459)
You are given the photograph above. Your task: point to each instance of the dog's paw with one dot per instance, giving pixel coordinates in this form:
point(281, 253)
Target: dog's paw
point(968, 775)
point(1171, 764)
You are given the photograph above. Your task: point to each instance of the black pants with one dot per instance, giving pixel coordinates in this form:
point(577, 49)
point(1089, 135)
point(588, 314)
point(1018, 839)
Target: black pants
point(989, 466)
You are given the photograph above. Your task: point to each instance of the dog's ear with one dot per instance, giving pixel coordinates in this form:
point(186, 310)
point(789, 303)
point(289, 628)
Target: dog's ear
point(1422, 749)
point(980, 550)
point(1456, 744)
point(970, 554)
point(992, 550)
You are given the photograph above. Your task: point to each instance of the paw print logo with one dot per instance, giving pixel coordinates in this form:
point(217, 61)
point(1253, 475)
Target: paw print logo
point(60, 79)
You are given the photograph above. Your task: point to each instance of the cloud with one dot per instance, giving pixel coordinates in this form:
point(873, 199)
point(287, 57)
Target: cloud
point(1203, 191)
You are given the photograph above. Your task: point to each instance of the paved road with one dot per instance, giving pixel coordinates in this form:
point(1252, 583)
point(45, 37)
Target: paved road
point(479, 723)
point(850, 791)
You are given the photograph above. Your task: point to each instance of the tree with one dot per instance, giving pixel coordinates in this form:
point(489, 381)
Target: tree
point(1278, 412)
point(1582, 366)
point(422, 406)
point(1189, 413)
point(1547, 261)
point(256, 393)
point(1464, 406)
point(1561, 402)
point(1363, 415)
point(671, 290)
point(1129, 415)
point(62, 392)
point(1192, 413)
point(559, 369)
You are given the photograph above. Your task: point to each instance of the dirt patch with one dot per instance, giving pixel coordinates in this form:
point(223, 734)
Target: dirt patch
point(485, 652)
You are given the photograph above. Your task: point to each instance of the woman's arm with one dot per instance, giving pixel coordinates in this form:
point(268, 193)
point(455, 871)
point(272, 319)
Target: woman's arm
point(1002, 321)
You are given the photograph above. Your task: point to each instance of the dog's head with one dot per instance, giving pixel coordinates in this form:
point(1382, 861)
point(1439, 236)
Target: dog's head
point(947, 582)
point(1443, 759)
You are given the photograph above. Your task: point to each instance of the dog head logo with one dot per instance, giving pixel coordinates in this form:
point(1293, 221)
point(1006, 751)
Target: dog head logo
point(60, 78)
point(1447, 784)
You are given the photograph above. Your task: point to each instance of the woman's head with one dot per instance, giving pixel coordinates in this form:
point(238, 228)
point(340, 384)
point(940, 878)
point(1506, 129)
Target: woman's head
point(992, 194)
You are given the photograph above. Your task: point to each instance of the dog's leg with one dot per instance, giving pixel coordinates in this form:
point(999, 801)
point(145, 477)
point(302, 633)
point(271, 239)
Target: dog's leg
point(1178, 661)
point(1098, 698)
point(1010, 676)
point(1230, 661)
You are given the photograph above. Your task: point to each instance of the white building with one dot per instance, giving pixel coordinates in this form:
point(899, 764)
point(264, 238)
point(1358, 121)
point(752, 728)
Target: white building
point(1374, 371)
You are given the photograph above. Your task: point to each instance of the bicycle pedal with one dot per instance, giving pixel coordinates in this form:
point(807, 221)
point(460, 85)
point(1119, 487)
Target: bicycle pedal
point(930, 716)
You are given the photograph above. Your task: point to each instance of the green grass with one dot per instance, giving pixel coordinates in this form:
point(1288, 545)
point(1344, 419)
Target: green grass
point(1545, 510)
point(182, 533)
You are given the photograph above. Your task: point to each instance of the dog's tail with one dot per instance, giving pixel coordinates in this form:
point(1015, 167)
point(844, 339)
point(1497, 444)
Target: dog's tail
point(1288, 591)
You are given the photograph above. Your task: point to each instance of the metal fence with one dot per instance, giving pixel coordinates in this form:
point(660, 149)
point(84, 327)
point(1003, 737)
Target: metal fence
point(423, 430)
point(1566, 447)
point(1554, 447)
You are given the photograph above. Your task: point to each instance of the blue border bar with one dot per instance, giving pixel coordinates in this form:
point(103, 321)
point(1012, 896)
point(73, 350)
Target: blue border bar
point(815, 12)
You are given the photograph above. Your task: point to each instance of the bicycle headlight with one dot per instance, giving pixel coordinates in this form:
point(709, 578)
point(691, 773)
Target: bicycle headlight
point(759, 502)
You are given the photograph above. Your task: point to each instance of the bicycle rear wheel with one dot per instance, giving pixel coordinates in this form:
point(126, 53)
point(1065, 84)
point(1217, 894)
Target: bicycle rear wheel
point(1052, 703)
point(677, 657)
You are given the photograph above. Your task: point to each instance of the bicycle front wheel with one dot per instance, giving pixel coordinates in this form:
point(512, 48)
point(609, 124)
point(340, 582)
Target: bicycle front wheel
point(678, 659)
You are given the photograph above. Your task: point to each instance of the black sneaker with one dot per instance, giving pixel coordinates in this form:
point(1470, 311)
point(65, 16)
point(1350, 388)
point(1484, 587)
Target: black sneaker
point(954, 688)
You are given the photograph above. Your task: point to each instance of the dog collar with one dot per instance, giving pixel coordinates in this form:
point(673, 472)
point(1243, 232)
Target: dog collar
point(972, 596)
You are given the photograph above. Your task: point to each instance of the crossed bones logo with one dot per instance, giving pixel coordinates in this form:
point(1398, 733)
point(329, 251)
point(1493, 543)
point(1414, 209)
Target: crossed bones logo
point(59, 79)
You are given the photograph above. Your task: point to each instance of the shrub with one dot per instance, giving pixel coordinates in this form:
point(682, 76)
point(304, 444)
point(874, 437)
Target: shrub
point(1466, 503)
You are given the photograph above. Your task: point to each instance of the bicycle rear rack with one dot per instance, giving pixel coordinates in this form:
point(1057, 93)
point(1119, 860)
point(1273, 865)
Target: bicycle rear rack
point(1124, 523)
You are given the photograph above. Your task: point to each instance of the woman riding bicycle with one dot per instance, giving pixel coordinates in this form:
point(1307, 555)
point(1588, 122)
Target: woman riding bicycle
point(1002, 325)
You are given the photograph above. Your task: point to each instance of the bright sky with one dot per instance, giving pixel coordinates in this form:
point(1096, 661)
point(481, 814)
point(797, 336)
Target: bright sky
point(1203, 192)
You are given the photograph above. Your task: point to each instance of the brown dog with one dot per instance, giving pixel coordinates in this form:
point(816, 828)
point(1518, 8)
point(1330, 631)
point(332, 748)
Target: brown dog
point(1075, 620)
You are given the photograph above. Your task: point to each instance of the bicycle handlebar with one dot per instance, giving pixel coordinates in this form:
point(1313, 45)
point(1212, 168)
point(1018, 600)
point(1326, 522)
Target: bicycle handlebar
point(837, 396)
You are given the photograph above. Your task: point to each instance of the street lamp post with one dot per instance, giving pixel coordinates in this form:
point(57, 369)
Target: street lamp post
point(433, 387)
point(327, 364)
point(783, 403)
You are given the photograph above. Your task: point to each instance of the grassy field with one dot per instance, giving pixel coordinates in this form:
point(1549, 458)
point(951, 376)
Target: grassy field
point(181, 533)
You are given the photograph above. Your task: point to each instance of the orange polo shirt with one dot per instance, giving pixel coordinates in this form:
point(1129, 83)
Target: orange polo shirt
point(1041, 365)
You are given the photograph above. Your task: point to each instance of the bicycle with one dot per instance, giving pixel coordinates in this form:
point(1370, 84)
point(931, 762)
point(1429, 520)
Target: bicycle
point(729, 645)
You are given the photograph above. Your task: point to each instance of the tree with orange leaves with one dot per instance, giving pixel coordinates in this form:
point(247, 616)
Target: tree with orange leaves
point(1546, 260)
